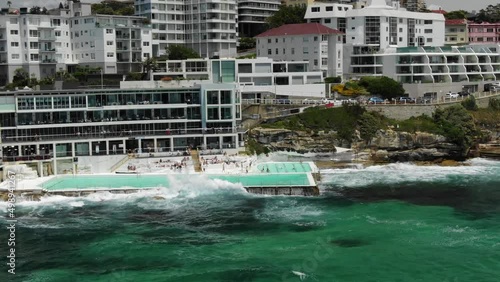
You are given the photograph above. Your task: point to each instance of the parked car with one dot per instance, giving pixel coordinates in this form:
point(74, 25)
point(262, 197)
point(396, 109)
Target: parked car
point(405, 100)
point(464, 93)
point(310, 102)
point(451, 95)
point(284, 101)
point(376, 100)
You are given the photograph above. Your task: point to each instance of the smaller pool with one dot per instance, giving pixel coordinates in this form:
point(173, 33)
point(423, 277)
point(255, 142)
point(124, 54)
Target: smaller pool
point(83, 182)
point(284, 167)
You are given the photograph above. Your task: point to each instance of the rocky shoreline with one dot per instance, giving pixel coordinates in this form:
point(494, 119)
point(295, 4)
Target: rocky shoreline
point(387, 146)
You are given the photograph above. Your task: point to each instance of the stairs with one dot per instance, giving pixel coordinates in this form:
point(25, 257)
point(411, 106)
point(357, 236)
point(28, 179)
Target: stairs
point(195, 156)
point(120, 163)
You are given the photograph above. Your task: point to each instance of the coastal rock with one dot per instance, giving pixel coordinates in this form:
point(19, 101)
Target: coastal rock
point(394, 146)
point(296, 141)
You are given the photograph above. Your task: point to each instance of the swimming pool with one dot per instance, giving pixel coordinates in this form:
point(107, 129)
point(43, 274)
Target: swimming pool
point(284, 167)
point(108, 182)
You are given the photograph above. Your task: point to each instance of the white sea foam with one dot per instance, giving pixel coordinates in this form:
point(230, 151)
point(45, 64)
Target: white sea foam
point(398, 173)
point(189, 187)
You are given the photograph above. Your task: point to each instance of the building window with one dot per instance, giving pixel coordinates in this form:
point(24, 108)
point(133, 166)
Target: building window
point(110, 55)
point(33, 33)
point(305, 39)
point(315, 9)
point(329, 8)
point(284, 51)
point(277, 53)
point(109, 43)
point(327, 21)
point(33, 45)
point(14, 44)
point(427, 30)
point(269, 52)
point(57, 33)
point(92, 56)
point(145, 43)
point(315, 62)
point(293, 51)
point(15, 56)
point(324, 61)
point(109, 31)
point(315, 38)
point(401, 39)
point(427, 21)
point(269, 40)
point(305, 50)
point(429, 40)
point(34, 57)
point(14, 32)
point(283, 40)
point(276, 40)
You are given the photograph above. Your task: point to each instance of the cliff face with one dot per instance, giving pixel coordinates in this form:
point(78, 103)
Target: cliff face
point(392, 146)
point(386, 146)
point(297, 141)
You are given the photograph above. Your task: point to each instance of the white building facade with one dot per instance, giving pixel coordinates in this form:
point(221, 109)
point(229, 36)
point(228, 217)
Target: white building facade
point(116, 44)
point(43, 44)
point(304, 42)
point(208, 27)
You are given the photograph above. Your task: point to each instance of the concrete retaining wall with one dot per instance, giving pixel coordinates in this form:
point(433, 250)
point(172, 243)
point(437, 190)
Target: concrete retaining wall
point(402, 112)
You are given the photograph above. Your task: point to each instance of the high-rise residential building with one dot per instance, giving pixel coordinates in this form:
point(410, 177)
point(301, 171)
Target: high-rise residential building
point(43, 44)
point(116, 44)
point(252, 15)
point(207, 26)
point(413, 5)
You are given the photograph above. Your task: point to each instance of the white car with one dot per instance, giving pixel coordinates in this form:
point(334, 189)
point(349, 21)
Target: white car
point(450, 95)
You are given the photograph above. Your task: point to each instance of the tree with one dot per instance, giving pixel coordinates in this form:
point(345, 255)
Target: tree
point(21, 77)
point(287, 15)
point(384, 87)
point(333, 79)
point(180, 52)
point(113, 8)
point(61, 5)
point(35, 10)
point(456, 124)
point(246, 43)
point(491, 14)
point(456, 15)
point(148, 66)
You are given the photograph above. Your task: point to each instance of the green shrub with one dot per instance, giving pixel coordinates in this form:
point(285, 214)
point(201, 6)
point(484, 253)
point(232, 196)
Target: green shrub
point(470, 103)
point(494, 104)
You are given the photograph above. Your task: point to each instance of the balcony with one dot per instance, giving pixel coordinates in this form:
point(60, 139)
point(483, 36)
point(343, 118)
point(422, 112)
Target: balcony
point(48, 61)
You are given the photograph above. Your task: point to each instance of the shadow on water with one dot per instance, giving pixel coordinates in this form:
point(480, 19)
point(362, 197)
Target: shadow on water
point(470, 202)
point(349, 243)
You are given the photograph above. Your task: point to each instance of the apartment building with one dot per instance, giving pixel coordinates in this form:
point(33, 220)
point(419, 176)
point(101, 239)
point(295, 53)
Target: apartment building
point(43, 44)
point(252, 15)
point(430, 68)
point(208, 27)
point(37, 43)
point(303, 42)
point(456, 32)
point(483, 33)
point(57, 126)
point(116, 44)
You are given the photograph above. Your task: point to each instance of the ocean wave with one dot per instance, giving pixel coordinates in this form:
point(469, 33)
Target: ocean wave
point(405, 172)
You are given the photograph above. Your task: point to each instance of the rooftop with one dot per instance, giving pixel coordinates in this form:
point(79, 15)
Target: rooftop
point(299, 29)
point(456, 22)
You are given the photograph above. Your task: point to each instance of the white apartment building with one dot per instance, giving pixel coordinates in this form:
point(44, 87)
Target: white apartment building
point(252, 15)
point(117, 44)
point(304, 42)
point(208, 27)
point(37, 43)
point(328, 14)
point(43, 44)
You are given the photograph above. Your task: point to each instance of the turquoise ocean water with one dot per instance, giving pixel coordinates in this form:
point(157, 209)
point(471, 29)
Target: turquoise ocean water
point(397, 222)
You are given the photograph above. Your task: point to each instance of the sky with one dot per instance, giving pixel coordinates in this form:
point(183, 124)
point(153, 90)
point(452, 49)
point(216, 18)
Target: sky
point(468, 5)
point(448, 5)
